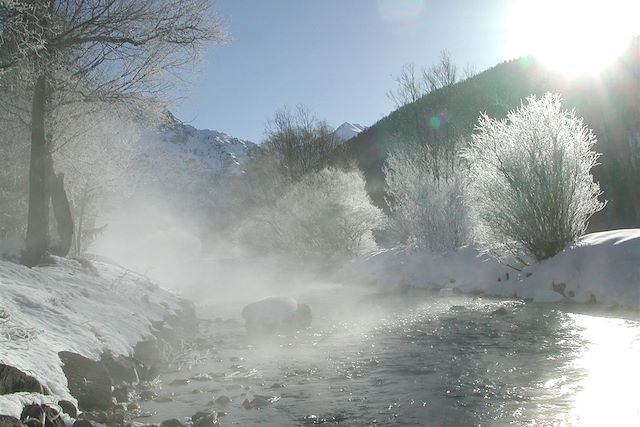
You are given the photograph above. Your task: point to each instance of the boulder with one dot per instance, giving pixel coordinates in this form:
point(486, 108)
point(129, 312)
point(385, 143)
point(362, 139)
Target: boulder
point(275, 314)
point(13, 380)
point(222, 400)
point(41, 416)
point(121, 369)
point(148, 352)
point(208, 418)
point(68, 408)
point(88, 380)
point(7, 421)
point(173, 422)
point(121, 393)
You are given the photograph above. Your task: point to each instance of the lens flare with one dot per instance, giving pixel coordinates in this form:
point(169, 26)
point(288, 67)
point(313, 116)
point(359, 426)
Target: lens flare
point(400, 10)
point(435, 122)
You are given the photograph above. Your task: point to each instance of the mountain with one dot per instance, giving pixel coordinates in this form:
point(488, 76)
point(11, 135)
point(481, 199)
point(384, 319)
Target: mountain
point(182, 158)
point(609, 104)
point(347, 130)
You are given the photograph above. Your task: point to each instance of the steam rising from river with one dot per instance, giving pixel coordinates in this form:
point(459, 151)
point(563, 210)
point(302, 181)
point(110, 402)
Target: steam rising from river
point(171, 247)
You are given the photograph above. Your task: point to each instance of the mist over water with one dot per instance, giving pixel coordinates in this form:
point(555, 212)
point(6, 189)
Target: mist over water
point(417, 360)
point(169, 246)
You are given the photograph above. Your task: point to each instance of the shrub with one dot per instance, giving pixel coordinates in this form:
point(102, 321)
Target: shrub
point(426, 212)
point(531, 191)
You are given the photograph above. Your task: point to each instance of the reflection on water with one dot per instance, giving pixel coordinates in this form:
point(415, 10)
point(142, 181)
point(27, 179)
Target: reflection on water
point(422, 360)
point(607, 393)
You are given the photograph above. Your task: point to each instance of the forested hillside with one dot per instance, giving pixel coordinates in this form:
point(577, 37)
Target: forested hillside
point(444, 119)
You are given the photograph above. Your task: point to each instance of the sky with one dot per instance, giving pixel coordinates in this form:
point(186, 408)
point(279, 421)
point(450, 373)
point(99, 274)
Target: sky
point(336, 57)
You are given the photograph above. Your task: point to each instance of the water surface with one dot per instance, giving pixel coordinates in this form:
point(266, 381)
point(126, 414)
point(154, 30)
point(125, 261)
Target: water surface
point(417, 359)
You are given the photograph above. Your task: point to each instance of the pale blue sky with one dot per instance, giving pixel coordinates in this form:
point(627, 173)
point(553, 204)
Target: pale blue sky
point(334, 56)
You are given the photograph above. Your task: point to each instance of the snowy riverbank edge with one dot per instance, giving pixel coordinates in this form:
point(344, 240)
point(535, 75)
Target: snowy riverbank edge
point(601, 267)
point(83, 308)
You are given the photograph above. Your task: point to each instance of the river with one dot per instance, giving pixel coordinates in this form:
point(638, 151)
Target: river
point(415, 359)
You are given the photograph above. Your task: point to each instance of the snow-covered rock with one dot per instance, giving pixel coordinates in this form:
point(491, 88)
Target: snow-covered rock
point(66, 307)
point(12, 404)
point(601, 267)
point(347, 130)
point(275, 313)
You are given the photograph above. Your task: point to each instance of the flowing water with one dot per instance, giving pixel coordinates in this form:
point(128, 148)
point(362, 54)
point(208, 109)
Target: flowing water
point(417, 360)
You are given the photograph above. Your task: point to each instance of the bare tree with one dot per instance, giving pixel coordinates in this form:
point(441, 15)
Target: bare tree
point(432, 130)
point(444, 73)
point(409, 87)
point(299, 141)
point(85, 51)
point(412, 84)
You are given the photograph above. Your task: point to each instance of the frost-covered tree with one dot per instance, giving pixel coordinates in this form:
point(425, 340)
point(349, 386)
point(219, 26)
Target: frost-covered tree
point(530, 189)
point(326, 214)
point(426, 212)
point(97, 163)
point(90, 51)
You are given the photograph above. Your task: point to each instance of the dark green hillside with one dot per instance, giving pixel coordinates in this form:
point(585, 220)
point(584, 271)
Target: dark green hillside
point(610, 105)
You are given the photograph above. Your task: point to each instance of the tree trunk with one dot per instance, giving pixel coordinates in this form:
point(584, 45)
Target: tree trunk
point(62, 214)
point(37, 241)
point(78, 247)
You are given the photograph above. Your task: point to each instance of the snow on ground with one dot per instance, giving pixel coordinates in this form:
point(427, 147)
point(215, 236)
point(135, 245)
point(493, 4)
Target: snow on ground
point(601, 267)
point(45, 310)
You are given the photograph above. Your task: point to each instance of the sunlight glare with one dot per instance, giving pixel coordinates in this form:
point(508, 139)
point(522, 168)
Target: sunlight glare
point(573, 36)
point(608, 394)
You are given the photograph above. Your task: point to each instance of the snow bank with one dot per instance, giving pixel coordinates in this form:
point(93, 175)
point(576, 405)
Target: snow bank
point(45, 310)
point(602, 267)
point(466, 269)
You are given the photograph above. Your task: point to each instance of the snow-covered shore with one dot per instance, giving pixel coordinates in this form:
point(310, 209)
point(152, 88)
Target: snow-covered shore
point(84, 308)
point(601, 267)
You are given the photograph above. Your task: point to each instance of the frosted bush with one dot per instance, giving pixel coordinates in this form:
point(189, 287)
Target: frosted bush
point(426, 212)
point(326, 214)
point(531, 190)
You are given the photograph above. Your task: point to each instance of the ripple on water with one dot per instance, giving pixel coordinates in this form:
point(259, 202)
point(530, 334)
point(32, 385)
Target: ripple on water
point(413, 361)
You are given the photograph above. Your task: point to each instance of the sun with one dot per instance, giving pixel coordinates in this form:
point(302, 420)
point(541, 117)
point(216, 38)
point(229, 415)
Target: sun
point(573, 36)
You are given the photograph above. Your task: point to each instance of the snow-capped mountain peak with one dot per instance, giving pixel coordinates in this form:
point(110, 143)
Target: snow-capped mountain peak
point(347, 130)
